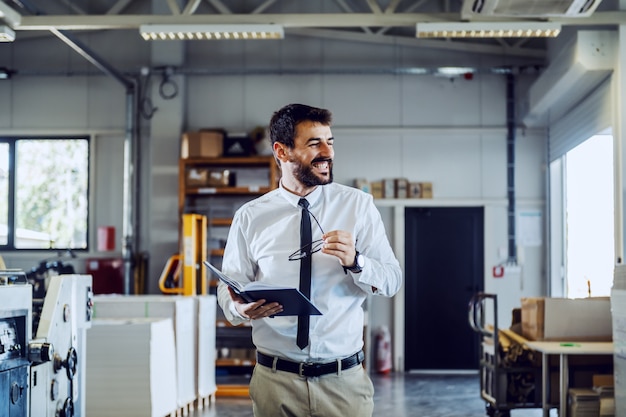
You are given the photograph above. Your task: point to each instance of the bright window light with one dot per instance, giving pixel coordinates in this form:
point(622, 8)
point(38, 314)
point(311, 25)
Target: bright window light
point(590, 218)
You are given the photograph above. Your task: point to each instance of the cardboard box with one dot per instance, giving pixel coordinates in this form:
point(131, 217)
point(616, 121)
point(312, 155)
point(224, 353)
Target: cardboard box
point(415, 190)
point(221, 178)
point(238, 144)
point(603, 380)
point(197, 177)
point(202, 144)
point(377, 189)
point(427, 190)
point(584, 319)
point(420, 190)
point(402, 188)
point(389, 188)
point(583, 402)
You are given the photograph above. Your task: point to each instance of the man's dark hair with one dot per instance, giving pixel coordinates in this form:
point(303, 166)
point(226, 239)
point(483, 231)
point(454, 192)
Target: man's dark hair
point(284, 121)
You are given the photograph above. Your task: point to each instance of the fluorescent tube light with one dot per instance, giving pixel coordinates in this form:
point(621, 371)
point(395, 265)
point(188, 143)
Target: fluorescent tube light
point(452, 71)
point(487, 30)
point(6, 34)
point(211, 32)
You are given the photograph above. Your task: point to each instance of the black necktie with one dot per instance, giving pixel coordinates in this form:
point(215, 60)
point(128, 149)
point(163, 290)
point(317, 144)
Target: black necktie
point(302, 339)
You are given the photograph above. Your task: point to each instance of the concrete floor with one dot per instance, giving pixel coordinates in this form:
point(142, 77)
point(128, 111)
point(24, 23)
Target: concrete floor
point(401, 395)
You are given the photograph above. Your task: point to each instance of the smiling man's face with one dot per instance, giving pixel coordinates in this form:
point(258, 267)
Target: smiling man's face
point(310, 162)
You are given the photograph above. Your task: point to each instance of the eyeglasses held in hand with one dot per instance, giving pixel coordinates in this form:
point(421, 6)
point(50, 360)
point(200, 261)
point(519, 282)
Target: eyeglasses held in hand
point(312, 247)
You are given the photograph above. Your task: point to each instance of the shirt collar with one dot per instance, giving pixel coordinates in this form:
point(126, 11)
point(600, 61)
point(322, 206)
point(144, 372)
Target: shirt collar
point(294, 198)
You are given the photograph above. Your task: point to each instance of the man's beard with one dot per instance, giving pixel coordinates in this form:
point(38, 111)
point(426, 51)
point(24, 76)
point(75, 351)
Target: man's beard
point(306, 175)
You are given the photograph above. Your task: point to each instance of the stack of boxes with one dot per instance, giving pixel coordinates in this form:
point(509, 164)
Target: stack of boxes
point(205, 144)
point(583, 402)
point(395, 188)
point(587, 319)
point(604, 385)
point(596, 402)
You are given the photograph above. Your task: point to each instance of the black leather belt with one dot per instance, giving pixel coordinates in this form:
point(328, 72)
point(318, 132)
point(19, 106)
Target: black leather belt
point(309, 369)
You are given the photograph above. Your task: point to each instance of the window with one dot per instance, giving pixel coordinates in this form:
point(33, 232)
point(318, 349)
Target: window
point(590, 218)
point(45, 184)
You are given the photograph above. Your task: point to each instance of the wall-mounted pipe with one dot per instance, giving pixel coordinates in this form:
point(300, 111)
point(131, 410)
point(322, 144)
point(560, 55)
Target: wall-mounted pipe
point(510, 166)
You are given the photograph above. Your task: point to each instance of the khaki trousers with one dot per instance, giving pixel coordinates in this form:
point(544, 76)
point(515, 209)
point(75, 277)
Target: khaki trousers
point(349, 393)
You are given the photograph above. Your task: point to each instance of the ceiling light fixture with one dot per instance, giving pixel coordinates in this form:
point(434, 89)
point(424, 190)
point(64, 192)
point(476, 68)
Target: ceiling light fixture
point(454, 71)
point(10, 16)
point(487, 30)
point(6, 34)
point(211, 32)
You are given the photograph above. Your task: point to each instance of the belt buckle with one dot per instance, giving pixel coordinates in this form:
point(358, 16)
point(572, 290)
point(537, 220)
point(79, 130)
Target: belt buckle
point(301, 368)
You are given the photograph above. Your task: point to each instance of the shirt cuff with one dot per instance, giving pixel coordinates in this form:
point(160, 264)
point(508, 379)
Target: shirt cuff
point(235, 313)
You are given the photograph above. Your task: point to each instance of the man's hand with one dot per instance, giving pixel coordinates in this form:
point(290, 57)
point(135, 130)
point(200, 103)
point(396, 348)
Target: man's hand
point(256, 310)
point(340, 243)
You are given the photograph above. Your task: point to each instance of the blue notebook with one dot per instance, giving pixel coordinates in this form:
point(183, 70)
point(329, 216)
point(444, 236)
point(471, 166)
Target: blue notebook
point(293, 301)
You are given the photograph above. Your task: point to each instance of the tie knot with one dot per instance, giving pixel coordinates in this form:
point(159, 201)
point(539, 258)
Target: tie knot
point(303, 203)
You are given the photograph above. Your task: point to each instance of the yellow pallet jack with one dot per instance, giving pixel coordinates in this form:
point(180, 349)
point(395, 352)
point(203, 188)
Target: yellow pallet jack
point(184, 272)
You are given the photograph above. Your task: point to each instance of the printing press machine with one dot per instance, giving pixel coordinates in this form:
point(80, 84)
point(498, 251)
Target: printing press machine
point(43, 345)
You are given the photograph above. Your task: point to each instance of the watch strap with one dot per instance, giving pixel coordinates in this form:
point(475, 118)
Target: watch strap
point(355, 268)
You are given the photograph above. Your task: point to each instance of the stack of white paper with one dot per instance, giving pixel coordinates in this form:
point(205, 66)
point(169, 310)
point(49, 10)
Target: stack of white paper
point(618, 311)
point(206, 307)
point(182, 312)
point(129, 368)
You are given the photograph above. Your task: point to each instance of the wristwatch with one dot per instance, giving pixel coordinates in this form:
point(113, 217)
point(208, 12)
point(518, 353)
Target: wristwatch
point(357, 267)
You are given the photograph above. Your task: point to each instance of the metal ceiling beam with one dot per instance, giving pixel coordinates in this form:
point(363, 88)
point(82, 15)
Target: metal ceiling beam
point(345, 20)
point(346, 8)
point(263, 6)
point(118, 7)
point(500, 50)
point(301, 20)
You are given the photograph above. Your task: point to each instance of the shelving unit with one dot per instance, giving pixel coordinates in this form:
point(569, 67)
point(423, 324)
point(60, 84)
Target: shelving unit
point(216, 188)
point(249, 188)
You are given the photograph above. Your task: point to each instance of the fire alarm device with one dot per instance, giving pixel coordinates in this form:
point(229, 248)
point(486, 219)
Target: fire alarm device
point(498, 271)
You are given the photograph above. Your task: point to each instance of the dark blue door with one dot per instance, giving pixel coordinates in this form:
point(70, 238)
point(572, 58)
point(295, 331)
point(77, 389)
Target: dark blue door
point(444, 267)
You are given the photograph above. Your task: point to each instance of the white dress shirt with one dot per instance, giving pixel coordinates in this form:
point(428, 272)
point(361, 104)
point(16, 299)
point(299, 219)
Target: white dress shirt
point(266, 230)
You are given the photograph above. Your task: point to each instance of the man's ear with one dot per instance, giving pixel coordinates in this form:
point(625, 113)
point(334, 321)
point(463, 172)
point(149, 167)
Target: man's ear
point(279, 152)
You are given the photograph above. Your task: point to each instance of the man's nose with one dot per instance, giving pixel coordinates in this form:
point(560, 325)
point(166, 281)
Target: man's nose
point(327, 149)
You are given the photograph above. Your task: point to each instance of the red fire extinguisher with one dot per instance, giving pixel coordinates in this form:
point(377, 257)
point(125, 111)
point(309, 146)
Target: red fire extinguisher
point(383, 350)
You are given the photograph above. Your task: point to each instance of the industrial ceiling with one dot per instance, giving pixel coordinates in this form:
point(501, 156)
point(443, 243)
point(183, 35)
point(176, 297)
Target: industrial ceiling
point(369, 21)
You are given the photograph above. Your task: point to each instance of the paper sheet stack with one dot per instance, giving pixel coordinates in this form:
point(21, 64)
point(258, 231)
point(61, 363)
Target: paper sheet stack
point(583, 402)
point(130, 371)
point(206, 307)
point(182, 313)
